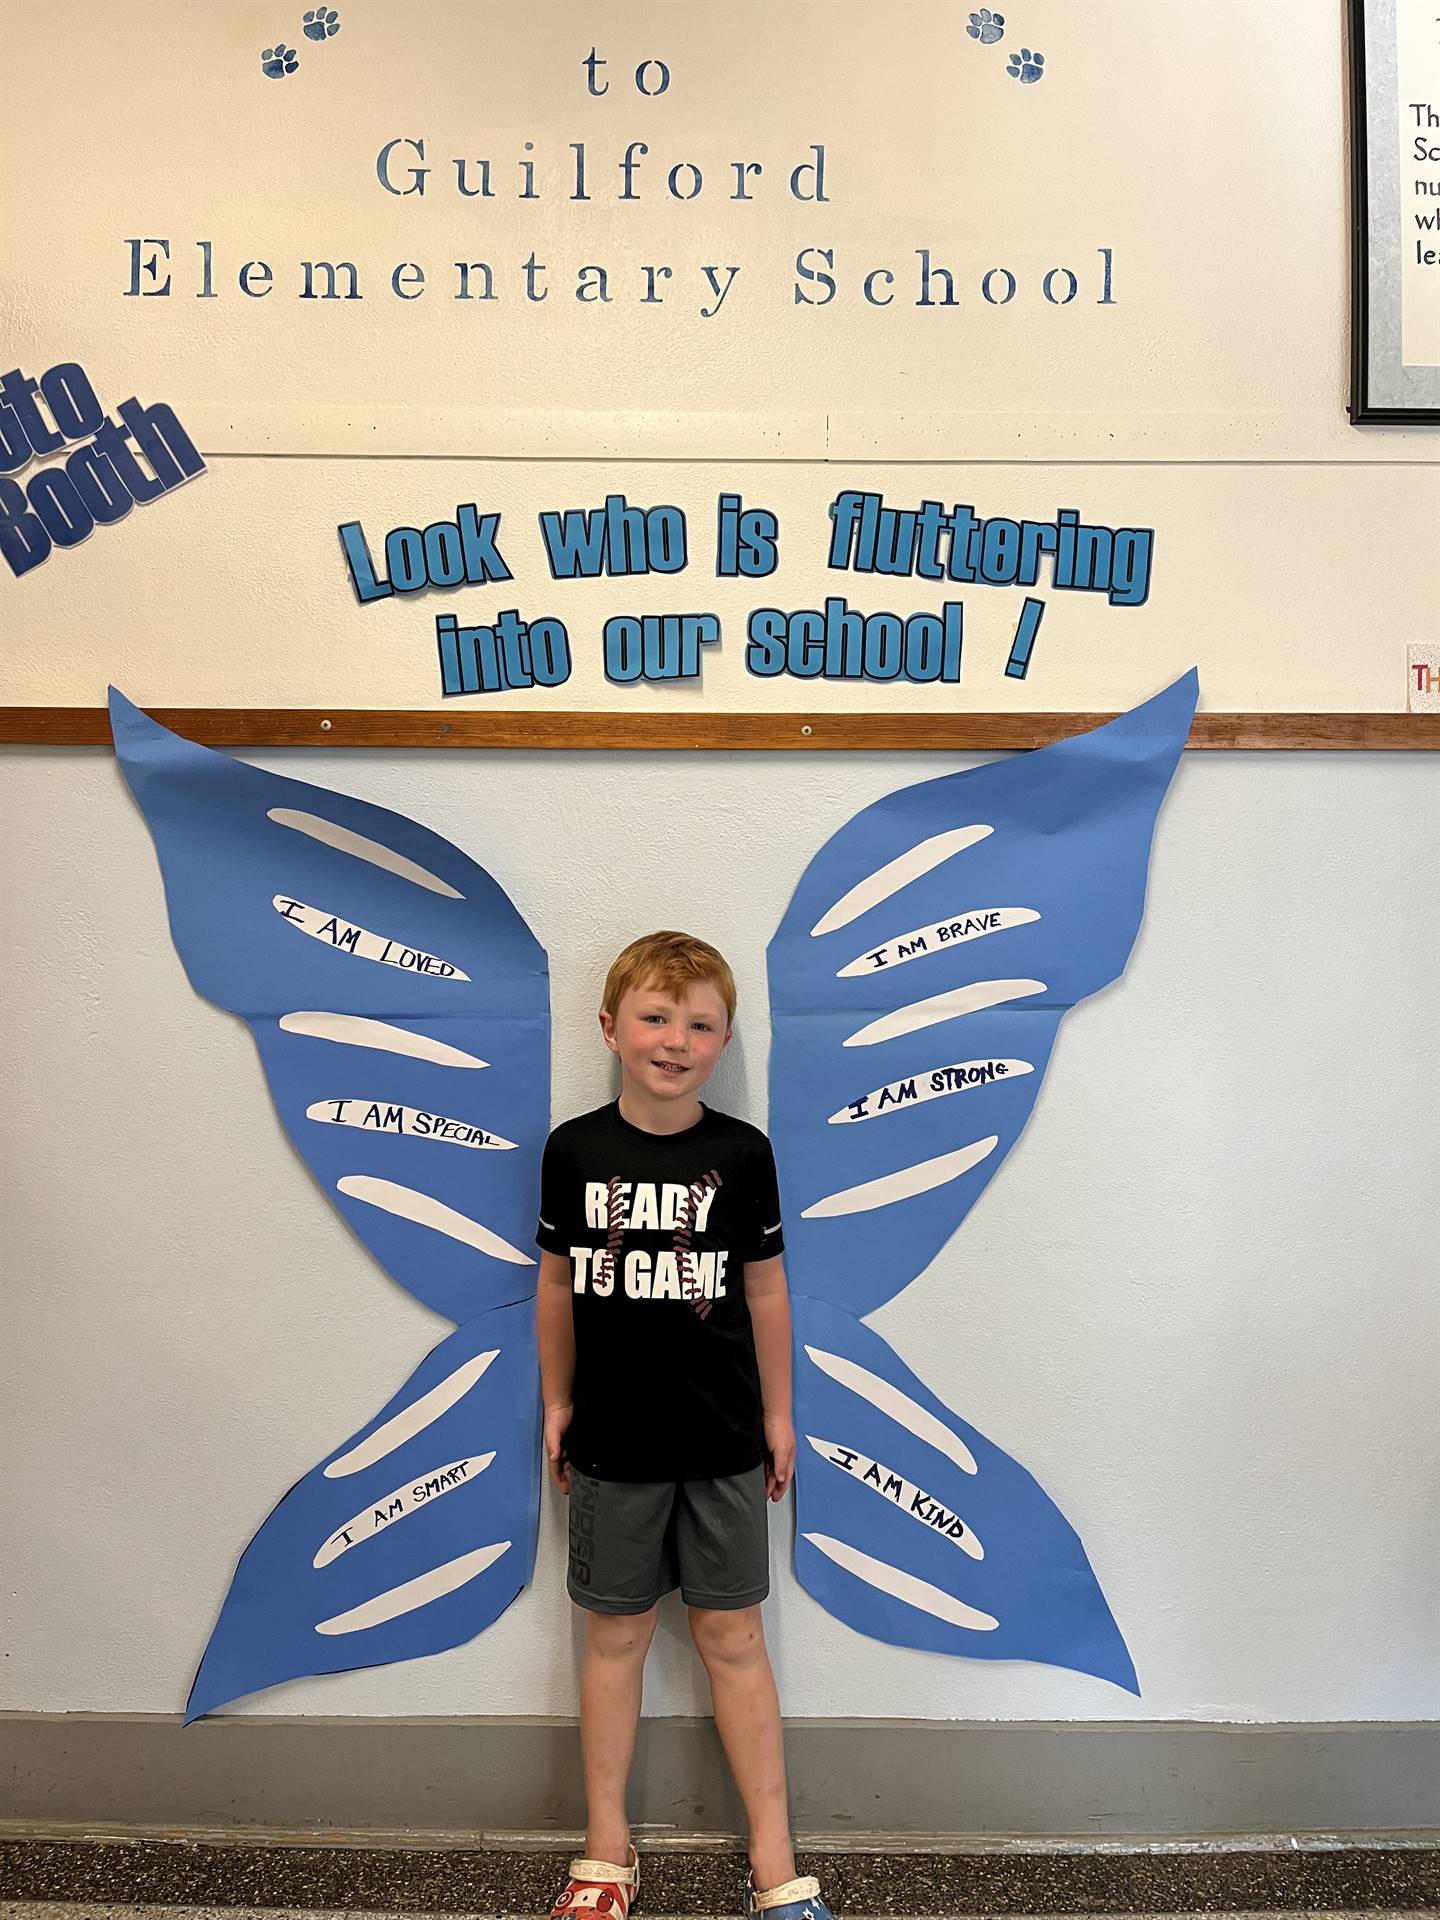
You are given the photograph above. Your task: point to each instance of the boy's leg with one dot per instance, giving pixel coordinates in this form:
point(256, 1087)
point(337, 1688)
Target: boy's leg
point(610, 1687)
point(621, 1559)
point(731, 1642)
point(722, 1547)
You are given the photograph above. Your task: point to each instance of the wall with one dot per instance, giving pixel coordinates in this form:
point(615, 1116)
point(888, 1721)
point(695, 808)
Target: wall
point(1177, 179)
point(1199, 1303)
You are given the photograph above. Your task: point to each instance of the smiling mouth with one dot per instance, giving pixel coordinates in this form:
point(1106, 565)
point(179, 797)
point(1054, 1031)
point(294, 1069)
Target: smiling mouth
point(665, 1066)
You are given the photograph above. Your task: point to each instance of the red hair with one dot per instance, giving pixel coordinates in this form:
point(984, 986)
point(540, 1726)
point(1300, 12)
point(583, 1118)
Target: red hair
point(672, 963)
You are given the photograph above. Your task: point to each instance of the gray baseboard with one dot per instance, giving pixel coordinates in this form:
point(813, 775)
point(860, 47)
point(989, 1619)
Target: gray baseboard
point(884, 1780)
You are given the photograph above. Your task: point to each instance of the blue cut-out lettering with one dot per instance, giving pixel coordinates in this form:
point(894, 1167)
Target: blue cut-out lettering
point(746, 539)
point(616, 539)
point(1018, 665)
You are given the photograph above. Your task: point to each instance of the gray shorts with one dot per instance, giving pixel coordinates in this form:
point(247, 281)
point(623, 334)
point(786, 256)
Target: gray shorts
point(632, 1540)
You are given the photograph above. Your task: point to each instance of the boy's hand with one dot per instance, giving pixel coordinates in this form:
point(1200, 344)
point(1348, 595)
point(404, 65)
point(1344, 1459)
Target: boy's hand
point(780, 1454)
point(557, 1420)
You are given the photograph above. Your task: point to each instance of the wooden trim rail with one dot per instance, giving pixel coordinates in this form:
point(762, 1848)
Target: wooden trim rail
point(684, 732)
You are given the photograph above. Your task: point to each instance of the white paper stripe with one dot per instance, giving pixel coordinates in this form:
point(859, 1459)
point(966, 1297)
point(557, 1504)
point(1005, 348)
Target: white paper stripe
point(382, 1514)
point(397, 1122)
point(408, 1203)
point(903, 1586)
point(353, 1030)
point(409, 1421)
point(897, 873)
point(922, 943)
point(904, 1183)
point(931, 1083)
point(345, 840)
point(901, 1493)
point(415, 1593)
point(345, 936)
point(895, 1405)
point(943, 1006)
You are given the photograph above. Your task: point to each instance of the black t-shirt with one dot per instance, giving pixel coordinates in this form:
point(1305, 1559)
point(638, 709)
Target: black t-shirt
point(657, 1228)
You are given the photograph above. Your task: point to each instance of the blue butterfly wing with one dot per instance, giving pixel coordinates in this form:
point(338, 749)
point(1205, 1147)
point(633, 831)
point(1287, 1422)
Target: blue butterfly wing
point(915, 1529)
point(410, 1539)
point(401, 1008)
point(917, 982)
point(918, 979)
point(415, 1085)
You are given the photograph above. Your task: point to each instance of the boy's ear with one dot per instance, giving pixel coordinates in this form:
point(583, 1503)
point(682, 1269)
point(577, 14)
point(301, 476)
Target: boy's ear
point(607, 1029)
point(729, 1036)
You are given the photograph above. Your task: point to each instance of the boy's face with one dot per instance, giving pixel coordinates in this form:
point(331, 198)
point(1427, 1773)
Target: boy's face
point(667, 1047)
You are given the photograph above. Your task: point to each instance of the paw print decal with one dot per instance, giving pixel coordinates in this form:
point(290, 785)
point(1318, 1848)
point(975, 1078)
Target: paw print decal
point(278, 60)
point(986, 27)
point(321, 23)
point(1027, 67)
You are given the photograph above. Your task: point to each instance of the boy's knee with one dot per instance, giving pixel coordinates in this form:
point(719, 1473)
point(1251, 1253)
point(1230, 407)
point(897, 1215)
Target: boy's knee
point(728, 1635)
point(616, 1635)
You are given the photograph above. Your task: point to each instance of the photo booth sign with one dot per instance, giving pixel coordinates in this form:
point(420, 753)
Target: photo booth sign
point(715, 372)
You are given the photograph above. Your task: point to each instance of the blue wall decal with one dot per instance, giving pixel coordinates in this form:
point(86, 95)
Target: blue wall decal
point(916, 1529)
point(407, 1546)
point(278, 61)
point(401, 1009)
point(917, 981)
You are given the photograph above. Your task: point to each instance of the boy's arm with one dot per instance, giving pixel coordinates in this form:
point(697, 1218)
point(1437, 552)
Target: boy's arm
point(555, 1334)
point(769, 1302)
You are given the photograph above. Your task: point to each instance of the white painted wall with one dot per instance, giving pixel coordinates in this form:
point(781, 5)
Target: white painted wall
point(1200, 1302)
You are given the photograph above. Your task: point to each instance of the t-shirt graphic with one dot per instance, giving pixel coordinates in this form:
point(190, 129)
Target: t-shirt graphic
point(657, 1229)
point(692, 1284)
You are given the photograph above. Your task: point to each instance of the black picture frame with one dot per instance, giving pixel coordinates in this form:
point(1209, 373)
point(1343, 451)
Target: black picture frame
point(1382, 390)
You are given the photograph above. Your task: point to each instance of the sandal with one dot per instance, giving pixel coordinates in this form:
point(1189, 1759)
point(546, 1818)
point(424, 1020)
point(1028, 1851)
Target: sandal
point(599, 1888)
point(796, 1900)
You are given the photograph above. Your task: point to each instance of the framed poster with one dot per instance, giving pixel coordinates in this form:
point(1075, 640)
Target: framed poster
point(1395, 149)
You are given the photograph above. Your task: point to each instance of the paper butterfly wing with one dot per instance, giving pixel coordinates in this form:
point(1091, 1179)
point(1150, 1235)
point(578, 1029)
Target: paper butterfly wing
point(917, 982)
point(919, 976)
point(400, 1005)
point(399, 1001)
point(410, 1539)
point(913, 1528)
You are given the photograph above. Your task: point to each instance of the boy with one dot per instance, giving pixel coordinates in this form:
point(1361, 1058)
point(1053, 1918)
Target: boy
point(664, 1331)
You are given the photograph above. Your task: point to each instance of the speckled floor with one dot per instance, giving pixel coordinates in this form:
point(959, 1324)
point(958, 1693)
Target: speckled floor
point(65, 1910)
point(168, 1879)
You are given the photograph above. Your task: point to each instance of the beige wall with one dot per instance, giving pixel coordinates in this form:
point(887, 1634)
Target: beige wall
point(1188, 165)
